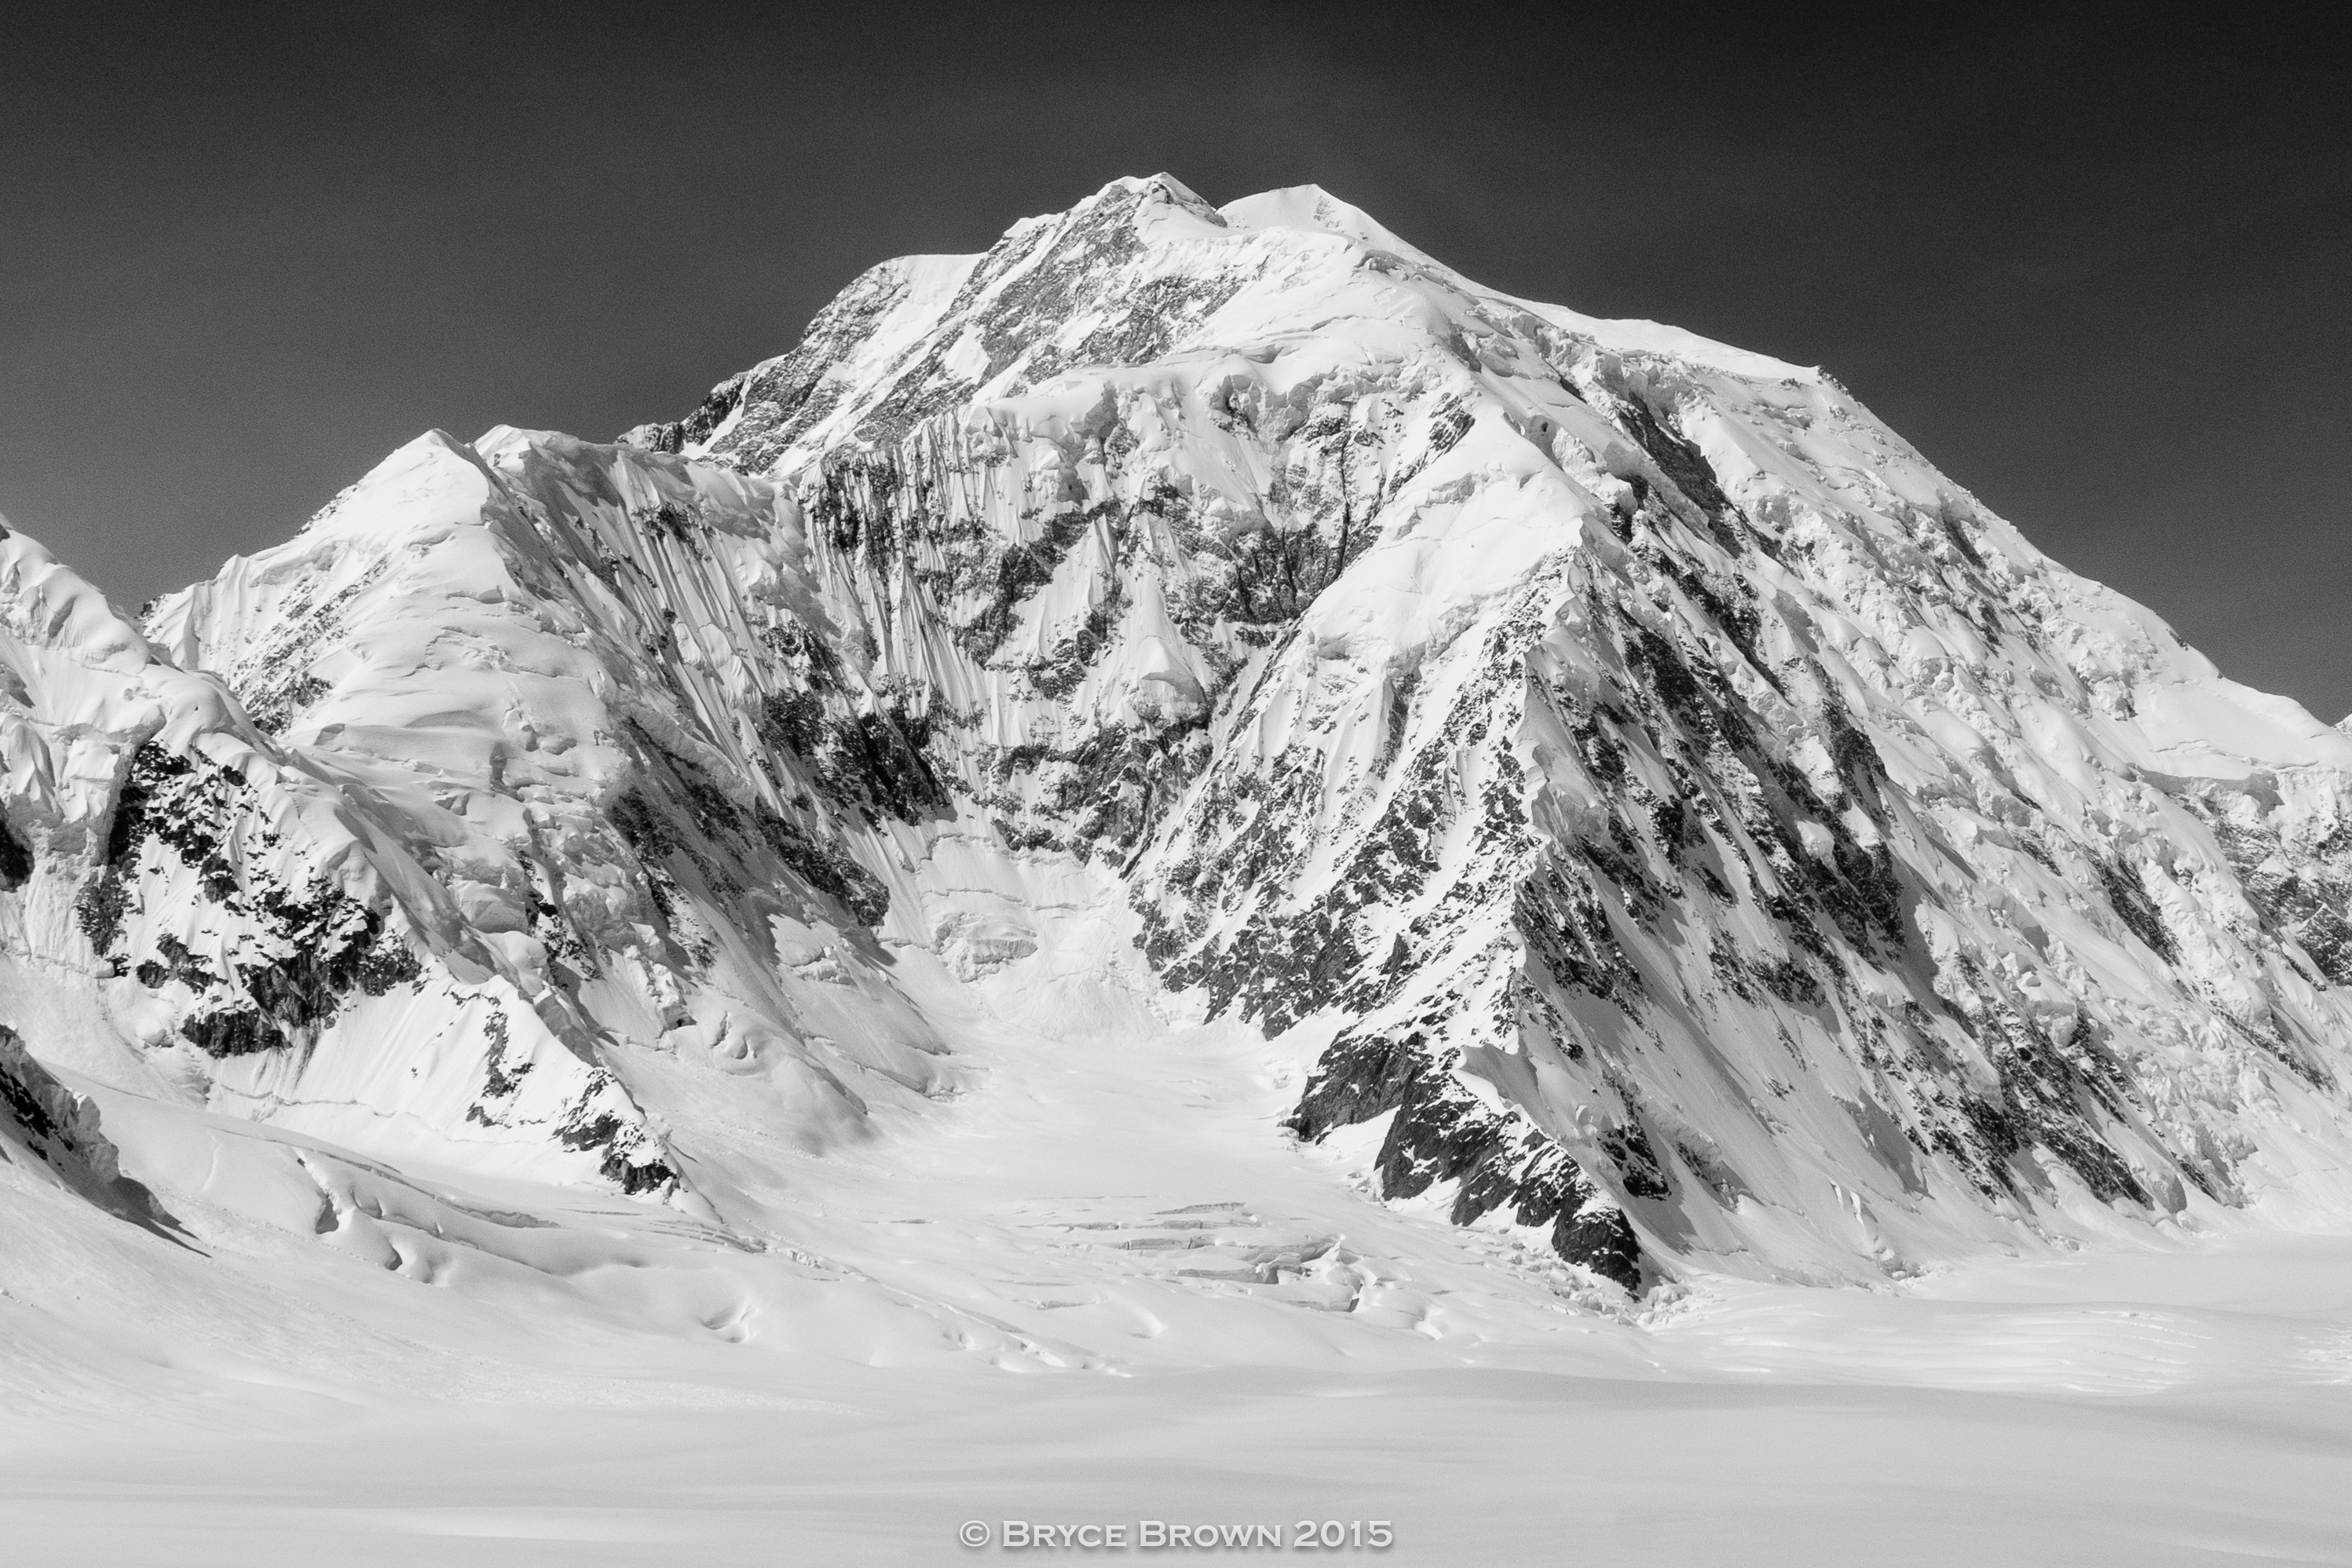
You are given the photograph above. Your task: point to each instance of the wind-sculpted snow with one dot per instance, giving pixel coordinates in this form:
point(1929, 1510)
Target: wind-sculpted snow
point(1686, 831)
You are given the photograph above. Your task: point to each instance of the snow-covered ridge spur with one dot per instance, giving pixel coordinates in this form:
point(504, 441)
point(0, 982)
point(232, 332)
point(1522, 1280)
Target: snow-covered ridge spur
point(1702, 832)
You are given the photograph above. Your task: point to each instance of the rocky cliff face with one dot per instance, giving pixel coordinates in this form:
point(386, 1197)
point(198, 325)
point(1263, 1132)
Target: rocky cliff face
point(49, 1134)
point(1702, 832)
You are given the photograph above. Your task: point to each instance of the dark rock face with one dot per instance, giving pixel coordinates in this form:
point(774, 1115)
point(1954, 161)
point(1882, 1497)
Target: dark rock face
point(875, 764)
point(16, 857)
point(1442, 1134)
point(41, 1118)
point(680, 812)
point(311, 949)
point(604, 1133)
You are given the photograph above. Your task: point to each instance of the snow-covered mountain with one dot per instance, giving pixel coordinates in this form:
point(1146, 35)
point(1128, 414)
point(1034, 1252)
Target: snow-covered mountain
point(1675, 820)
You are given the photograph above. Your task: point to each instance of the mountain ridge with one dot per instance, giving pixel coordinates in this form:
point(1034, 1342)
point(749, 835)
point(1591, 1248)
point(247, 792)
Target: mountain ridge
point(1708, 837)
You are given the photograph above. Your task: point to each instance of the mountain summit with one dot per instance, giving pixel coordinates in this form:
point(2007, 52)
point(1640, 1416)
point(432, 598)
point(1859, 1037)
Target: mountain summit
point(1660, 814)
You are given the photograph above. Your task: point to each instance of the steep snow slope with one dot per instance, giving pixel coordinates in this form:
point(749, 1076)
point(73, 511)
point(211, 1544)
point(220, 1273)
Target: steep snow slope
point(1680, 829)
point(596, 695)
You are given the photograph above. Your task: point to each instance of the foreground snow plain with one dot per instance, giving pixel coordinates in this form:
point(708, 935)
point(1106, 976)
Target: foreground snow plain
point(1095, 1288)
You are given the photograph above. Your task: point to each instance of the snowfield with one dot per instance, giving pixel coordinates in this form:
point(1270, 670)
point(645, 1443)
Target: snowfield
point(993, 1334)
point(1188, 871)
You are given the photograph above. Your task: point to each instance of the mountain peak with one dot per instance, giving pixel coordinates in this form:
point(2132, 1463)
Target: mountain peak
point(1313, 209)
point(1219, 507)
point(1645, 807)
point(47, 605)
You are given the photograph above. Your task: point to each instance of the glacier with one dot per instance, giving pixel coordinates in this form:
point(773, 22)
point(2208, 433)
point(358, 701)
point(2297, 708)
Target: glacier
point(1193, 789)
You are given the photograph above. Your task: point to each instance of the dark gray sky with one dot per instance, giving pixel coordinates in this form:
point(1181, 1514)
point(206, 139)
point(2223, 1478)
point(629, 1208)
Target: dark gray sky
point(2097, 267)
